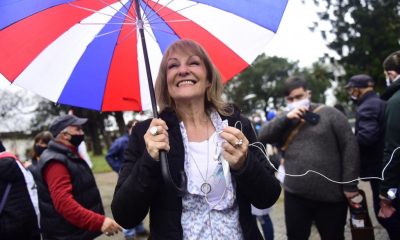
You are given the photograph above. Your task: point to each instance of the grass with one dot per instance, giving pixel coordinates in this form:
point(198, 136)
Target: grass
point(100, 164)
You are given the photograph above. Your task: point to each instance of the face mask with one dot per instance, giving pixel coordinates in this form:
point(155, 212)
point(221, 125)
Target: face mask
point(76, 139)
point(301, 103)
point(39, 149)
point(388, 82)
point(353, 98)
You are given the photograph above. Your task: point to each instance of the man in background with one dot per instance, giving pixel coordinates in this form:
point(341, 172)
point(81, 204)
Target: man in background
point(70, 202)
point(323, 143)
point(390, 186)
point(370, 132)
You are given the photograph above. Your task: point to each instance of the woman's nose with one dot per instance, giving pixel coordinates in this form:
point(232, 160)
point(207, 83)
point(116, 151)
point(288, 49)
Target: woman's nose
point(183, 70)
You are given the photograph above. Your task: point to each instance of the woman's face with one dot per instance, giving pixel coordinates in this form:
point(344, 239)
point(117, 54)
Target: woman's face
point(186, 77)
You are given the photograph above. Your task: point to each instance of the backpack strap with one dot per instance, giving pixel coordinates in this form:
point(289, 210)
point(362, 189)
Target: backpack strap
point(5, 196)
point(295, 131)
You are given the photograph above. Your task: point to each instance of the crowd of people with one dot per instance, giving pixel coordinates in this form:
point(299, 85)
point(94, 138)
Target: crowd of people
point(226, 183)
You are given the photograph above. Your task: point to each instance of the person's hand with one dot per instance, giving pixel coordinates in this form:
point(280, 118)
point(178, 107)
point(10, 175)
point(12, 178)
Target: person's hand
point(297, 113)
point(156, 138)
point(110, 227)
point(354, 199)
point(386, 210)
point(235, 147)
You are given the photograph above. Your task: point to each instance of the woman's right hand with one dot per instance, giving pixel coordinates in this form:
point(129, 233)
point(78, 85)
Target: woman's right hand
point(157, 140)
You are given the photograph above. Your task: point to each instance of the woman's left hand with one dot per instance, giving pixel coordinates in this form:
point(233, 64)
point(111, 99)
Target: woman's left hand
point(235, 147)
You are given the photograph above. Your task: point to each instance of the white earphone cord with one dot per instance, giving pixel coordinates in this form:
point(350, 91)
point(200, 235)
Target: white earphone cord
point(263, 150)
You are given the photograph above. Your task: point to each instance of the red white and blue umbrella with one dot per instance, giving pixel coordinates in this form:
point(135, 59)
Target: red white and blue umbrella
point(88, 53)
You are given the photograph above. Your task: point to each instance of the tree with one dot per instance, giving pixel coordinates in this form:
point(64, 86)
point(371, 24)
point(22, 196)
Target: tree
point(263, 82)
point(363, 33)
point(16, 110)
point(262, 79)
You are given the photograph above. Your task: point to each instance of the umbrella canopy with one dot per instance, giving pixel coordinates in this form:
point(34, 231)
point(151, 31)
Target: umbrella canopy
point(88, 53)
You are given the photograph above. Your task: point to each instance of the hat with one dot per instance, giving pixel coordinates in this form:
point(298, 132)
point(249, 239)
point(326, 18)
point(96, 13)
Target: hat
point(360, 81)
point(61, 122)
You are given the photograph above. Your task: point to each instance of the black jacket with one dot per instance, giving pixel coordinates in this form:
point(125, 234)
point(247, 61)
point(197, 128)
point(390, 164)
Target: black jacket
point(392, 138)
point(18, 219)
point(84, 191)
point(370, 132)
point(140, 186)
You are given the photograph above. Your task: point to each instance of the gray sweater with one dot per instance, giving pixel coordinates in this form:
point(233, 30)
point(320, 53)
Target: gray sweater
point(329, 148)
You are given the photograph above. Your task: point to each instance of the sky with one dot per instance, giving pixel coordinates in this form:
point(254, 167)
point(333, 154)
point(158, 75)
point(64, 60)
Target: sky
point(293, 39)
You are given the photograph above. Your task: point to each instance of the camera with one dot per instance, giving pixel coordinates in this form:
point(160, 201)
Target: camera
point(311, 117)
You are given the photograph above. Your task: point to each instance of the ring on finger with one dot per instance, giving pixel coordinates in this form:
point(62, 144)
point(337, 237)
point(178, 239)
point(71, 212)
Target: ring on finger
point(153, 130)
point(238, 143)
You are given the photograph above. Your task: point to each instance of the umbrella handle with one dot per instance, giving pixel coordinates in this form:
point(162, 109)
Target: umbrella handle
point(163, 155)
point(180, 191)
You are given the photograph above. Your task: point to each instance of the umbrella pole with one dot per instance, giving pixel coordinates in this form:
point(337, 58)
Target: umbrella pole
point(163, 155)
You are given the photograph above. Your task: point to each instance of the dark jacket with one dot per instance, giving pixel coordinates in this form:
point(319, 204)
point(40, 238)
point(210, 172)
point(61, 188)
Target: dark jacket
point(392, 138)
point(140, 186)
point(84, 191)
point(18, 219)
point(370, 132)
point(115, 154)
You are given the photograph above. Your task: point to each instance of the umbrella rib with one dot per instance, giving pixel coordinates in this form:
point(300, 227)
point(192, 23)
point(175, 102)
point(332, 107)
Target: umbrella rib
point(171, 21)
point(160, 17)
point(107, 23)
point(156, 12)
point(151, 35)
point(95, 11)
point(127, 35)
point(145, 8)
point(162, 30)
point(147, 4)
point(107, 33)
point(127, 11)
point(118, 11)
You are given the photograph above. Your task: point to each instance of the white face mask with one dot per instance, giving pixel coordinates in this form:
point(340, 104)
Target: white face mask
point(388, 82)
point(301, 103)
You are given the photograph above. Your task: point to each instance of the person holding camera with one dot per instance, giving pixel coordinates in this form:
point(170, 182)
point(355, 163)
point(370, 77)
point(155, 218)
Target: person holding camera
point(319, 138)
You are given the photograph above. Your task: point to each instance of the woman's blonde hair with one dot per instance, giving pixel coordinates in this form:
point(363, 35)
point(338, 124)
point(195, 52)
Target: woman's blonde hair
point(213, 98)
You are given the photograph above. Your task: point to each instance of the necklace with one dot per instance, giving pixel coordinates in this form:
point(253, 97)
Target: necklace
point(205, 186)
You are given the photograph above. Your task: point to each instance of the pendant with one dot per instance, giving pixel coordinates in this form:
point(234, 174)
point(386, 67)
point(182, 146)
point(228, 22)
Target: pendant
point(205, 188)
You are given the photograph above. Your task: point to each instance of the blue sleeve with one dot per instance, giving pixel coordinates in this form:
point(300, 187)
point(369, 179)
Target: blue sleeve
point(113, 155)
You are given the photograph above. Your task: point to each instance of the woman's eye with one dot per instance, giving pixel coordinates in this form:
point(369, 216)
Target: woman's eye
point(172, 65)
point(196, 63)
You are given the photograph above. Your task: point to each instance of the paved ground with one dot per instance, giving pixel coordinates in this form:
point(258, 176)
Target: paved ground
point(107, 181)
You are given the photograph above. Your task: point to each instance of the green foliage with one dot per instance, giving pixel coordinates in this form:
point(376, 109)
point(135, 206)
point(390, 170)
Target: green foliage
point(264, 79)
point(363, 33)
point(318, 78)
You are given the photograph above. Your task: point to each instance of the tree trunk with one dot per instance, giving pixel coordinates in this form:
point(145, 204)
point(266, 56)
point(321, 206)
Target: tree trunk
point(119, 118)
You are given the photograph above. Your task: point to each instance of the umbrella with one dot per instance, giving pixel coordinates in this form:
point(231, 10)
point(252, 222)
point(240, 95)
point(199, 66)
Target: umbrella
point(102, 54)
point(88, 53)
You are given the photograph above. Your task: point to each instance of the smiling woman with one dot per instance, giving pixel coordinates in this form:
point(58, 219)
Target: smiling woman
point(197, 130)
